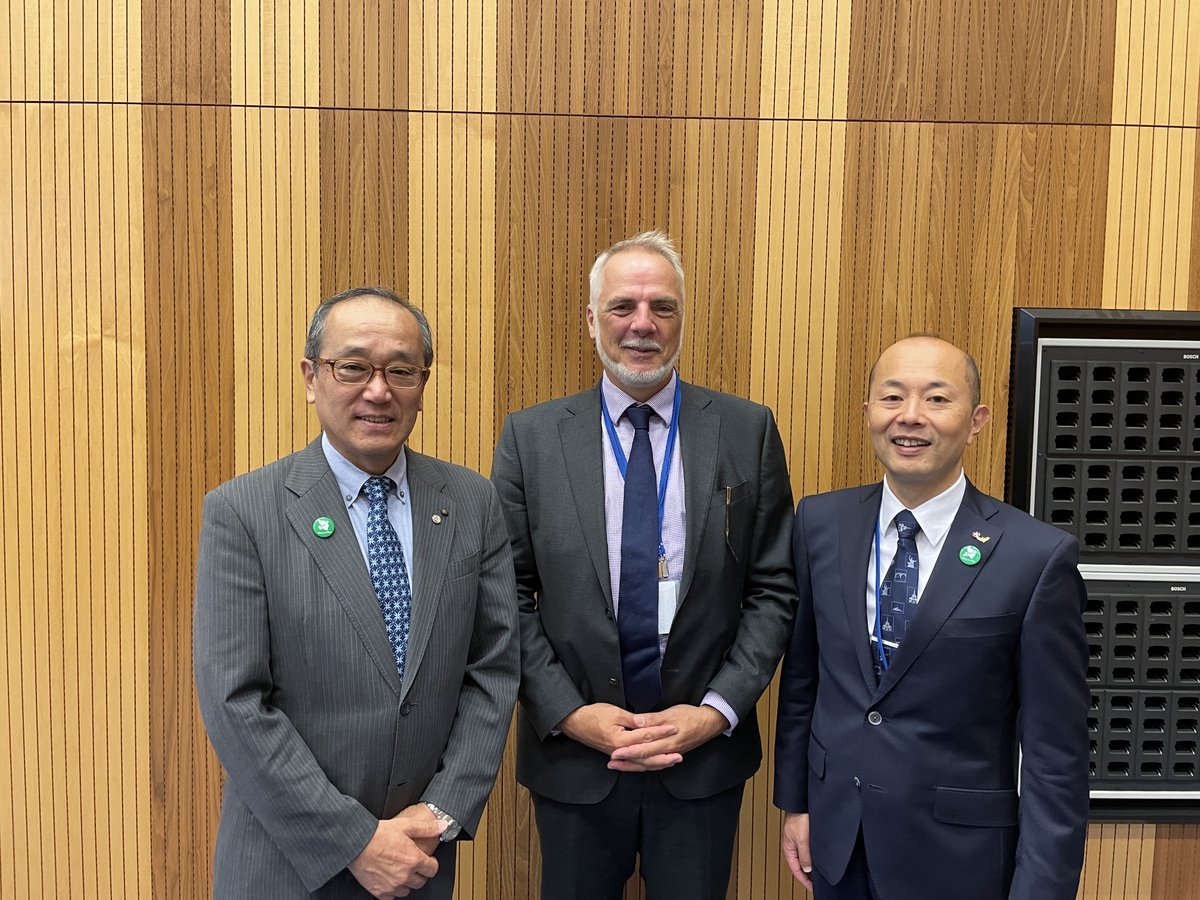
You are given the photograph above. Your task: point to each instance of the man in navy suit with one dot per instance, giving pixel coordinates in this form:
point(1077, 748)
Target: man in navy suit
point(938, 655)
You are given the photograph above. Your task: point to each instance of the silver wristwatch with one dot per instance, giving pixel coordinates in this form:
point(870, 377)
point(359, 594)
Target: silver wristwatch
point(452, 826)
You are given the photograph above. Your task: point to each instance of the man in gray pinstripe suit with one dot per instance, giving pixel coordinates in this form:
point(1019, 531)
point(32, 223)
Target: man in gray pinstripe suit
point(359, 740)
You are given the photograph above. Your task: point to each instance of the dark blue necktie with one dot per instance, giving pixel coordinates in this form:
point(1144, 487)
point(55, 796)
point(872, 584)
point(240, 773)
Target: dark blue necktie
point(898, 593)
point(389, 574)
point(637, 610)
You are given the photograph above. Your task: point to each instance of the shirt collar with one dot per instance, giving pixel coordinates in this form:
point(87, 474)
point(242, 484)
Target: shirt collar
point(663, 403)
point(935, 516)
point(351, 478)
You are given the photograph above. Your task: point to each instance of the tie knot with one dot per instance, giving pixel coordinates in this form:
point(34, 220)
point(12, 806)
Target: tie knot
point(377, 488)
point(906, 525)
point(639, 416)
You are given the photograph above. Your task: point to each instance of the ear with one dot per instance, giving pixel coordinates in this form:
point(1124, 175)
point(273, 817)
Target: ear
point(308, 370)
point(421, 395)
point(979, 418)
point(590, 315)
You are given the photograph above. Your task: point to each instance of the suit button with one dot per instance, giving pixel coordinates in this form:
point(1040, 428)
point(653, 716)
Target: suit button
point(874, 717)
point(613, 682)
point(608, 611)
point(405, 708)
point(857, 783)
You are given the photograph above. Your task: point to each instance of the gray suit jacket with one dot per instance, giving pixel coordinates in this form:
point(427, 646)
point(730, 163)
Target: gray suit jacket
point(297, 683)
point(737, 594)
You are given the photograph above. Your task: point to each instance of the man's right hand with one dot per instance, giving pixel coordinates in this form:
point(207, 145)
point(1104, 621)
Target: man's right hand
point(795, 847)
point(393, 863)
point(605, 727)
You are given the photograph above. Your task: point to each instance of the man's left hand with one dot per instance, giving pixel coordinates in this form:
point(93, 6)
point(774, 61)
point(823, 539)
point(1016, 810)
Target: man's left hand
point(694, 725)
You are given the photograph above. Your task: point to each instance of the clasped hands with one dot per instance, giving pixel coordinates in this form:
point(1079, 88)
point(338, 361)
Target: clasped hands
point(399, 857)
point(643, 742)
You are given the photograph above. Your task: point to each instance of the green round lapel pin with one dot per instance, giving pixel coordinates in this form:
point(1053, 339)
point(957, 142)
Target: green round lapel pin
point(323, 527)
point(970, 555)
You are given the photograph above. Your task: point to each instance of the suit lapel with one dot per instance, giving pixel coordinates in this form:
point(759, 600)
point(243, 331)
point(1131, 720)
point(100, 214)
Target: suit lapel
point(699, 439)
point(579, 431)
point(950, 580)
point(339, 556)
point(432, 541)
point(857, 535)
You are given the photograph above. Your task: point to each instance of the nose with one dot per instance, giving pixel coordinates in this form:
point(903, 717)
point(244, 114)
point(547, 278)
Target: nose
point(643, 319)
point(377, 389)
point(911, 410)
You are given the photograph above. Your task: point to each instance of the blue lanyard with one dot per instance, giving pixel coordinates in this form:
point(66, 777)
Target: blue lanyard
point(623, 463)
point(878, 616)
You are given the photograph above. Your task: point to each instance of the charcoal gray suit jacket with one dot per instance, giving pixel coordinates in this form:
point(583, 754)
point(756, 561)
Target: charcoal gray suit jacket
point(737, 593)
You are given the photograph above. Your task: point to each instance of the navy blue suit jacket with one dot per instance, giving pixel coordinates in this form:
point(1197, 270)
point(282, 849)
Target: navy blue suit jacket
point(926, 761)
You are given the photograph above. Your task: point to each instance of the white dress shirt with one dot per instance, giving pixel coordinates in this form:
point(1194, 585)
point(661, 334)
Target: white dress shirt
point(935, 518)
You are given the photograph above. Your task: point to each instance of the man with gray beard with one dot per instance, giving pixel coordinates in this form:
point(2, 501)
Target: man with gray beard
point(650, 524)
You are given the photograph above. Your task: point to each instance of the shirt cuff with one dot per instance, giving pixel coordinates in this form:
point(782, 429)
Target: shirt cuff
point(717, 702)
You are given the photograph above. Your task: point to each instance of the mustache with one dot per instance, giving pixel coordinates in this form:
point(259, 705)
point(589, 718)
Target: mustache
point(641, 344)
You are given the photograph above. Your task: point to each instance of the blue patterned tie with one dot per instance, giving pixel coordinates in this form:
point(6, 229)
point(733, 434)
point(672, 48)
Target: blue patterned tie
point(385, 559)
point(637, 612)
point(898, 593)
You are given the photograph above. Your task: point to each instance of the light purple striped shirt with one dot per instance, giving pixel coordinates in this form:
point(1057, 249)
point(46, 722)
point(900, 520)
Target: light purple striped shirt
point(673, 525)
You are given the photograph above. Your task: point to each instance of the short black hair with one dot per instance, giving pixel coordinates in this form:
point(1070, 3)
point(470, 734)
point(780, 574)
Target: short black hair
point(316, 328)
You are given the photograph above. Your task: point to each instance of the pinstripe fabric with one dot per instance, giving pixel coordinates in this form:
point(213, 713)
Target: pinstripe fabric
point(297, 682)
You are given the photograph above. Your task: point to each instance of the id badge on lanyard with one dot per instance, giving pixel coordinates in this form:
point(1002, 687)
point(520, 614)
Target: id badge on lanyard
point(668, 587)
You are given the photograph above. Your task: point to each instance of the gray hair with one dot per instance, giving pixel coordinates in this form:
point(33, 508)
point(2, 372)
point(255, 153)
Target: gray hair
point(652, 241)
point(316, 328)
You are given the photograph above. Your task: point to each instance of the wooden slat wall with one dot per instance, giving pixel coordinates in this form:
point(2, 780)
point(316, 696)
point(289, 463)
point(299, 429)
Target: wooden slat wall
point(182, 180)
point(75, 707)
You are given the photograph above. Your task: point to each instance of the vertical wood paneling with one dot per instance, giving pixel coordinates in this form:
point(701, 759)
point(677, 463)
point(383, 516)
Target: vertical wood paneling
point(75, 783)
point(186, 145)
point(1176, 862)
point(275, 223)
point(994, 201)
point(1152, 170)
point(190, 389)
point(364, 181)
point(1118, 862)
point(983, 61)
point(1192, 251)
point(181, 181)
point(452, 180)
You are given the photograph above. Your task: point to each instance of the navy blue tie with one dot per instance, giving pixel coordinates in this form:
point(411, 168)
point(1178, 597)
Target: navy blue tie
point(898, 593)
point(389, 574)
point(637, 610)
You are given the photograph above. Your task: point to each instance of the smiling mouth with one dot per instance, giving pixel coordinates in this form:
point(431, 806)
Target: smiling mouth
point(376, 420)
point(909, 442)
point(642, 346)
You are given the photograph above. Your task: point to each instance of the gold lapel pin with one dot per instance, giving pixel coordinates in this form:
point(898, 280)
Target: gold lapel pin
point(983, 539)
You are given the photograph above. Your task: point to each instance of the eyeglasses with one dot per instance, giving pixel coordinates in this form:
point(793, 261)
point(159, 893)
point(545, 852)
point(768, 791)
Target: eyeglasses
point(359, 371)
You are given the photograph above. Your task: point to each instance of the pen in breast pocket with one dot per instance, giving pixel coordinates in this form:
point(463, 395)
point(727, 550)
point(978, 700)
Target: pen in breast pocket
point(728, 503)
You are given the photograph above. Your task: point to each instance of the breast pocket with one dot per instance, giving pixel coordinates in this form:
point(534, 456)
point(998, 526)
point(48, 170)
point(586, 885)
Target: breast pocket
point(737, 493)
point(730, 521)
point(465, 565)
point(981, 626)
point(460, 584)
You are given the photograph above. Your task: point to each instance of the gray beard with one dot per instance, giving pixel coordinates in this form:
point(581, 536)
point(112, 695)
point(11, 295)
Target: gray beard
point(623, 375)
